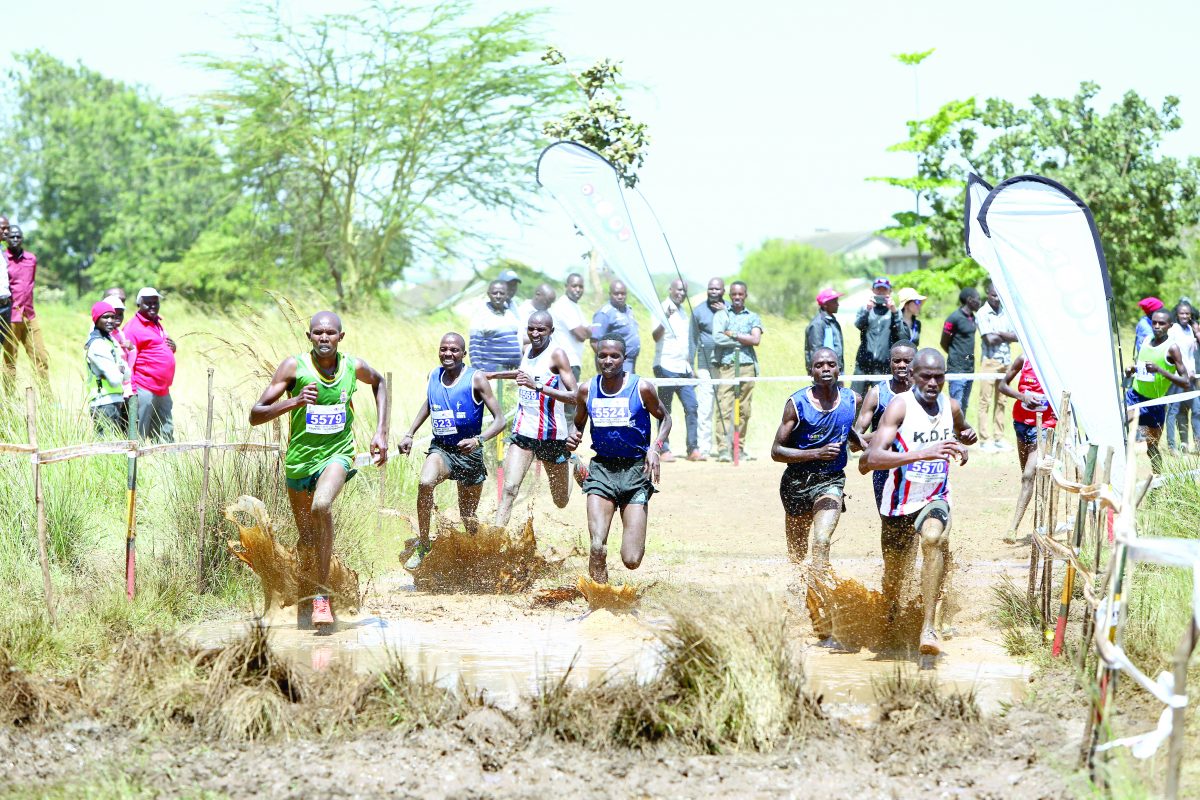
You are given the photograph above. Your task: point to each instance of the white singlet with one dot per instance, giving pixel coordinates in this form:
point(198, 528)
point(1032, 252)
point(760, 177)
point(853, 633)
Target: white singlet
point(539, 416)
point(910, 488)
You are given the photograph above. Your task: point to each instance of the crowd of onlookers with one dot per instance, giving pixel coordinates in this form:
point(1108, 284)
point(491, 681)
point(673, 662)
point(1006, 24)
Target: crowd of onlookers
point(123, 359)
point(1184, 332)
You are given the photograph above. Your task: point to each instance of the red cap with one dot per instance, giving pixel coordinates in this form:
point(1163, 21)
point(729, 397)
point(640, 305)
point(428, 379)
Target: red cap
point(1150, 304)
point(99, 310)
point(827, 294)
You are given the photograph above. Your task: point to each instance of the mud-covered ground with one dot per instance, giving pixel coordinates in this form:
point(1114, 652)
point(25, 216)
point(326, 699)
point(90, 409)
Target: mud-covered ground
point(715, 531)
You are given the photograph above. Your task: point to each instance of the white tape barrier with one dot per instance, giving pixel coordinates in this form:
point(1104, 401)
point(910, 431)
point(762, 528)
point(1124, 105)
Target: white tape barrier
point(807, 379)
point(1181, 553)
point(1165, 399)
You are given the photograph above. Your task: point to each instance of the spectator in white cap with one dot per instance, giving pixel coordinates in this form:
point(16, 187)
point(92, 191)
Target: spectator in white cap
point(908, 300)
point(512, 282)
point(824, 330)
point(153, 367)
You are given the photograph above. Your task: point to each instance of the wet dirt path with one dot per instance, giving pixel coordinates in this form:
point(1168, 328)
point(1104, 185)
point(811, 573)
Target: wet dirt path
point(714, 528)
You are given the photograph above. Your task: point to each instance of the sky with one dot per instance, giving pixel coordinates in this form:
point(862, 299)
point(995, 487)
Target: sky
point(766, 118)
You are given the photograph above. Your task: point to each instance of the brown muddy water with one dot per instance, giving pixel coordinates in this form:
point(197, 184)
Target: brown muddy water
point(511, 659)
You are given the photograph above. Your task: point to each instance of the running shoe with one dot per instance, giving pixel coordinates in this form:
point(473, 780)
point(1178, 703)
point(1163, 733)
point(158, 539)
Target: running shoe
point(321, 612)
point(931, 644)
point(696, 455)
point(417, 556)
point(578, 470)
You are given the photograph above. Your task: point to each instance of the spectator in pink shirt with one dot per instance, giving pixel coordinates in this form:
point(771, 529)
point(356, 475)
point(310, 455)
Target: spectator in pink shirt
point(153, 368)
point(23, 327)
point(5, 296)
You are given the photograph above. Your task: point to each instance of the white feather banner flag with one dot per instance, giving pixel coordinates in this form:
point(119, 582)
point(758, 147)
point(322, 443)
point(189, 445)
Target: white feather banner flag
point(1039, 243)
point(589, 189)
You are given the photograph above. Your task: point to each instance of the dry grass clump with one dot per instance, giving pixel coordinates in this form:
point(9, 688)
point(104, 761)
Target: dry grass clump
point(486, 561)
point(924, 726)
point(728, 682)
point(32, 700)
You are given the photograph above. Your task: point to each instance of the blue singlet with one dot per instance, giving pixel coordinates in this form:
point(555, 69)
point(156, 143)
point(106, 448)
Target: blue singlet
point(620, 423)
point(816, 428)
point(455, 412)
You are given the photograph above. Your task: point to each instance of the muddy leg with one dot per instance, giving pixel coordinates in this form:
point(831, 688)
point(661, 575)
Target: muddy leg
point(516, 464)
point(795, 529)
point(633, 534)
point(1152, 437)
point(559, 476)
point(1028, 472)
point(433, 471)
point(600, 513)
point(935, 542)
point(306, 555)
point(468, 503)
point(328, 486)
point(899, 548)
point(826, 513)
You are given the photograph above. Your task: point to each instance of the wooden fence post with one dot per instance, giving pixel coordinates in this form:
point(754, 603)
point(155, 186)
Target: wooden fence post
point(40, 501)
point(1179, 715)
point(383, 467)
point(131, 503)
point(203, 505)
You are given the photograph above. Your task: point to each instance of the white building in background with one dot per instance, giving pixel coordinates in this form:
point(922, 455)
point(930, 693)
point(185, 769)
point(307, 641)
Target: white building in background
point(868, 246)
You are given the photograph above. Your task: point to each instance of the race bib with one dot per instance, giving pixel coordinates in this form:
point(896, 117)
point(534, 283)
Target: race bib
point(1040, 405)
point(927, 471)
point(325, 419)
point(443, 423)
point(527, 397)
point(610, 412)
point(1142, 371)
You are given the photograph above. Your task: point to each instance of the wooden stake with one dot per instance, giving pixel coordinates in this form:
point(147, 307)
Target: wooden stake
point(1179, 715)
point(40, 502)
point(1039, 516)
point(131, 505)
point(383, 467)
point(203, 506)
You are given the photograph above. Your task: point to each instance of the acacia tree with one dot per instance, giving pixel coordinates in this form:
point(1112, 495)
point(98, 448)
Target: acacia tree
point(1143, 201)
point(366, 141)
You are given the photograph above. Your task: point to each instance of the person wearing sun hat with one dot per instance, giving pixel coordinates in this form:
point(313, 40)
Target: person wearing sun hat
point(824, 330)
point(107, 372)
point(908, 300)
point(1144, 331)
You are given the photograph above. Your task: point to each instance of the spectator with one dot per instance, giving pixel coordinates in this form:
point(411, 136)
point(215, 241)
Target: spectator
point(910, 306)
point(616, 319)
point(570, 329)
point(23, 328)
point(1186, 334)
point(881, 326)
point(1148, 305)
point(736, 332)
point(107, 373)
point(958, 340)
point(673, 354)
point(996, 334)
point(543, 298)
point(495, 338)
point(824, 330)
point(706, 366)
point(511, 282)
point(153, 368)
point(5, 296)
point(3, 229)
point(117, 301)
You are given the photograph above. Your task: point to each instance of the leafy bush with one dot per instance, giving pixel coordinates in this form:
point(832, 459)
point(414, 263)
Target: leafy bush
point(783, 277)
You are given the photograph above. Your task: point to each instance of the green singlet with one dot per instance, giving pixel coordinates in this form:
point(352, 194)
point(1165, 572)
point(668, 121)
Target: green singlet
point(1153, 385)
point(322, 432)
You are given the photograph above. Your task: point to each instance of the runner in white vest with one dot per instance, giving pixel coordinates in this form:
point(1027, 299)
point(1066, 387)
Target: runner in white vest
point(920, 432)
point(545, 385)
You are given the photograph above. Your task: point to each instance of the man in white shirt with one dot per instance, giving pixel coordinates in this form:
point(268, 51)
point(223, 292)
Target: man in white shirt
point(674, 348)
point(996, 334)
point(570, 326)
point(543, 298)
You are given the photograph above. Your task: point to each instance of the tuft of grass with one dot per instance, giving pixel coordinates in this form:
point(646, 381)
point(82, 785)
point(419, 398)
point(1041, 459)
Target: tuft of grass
point(1019, 618)
point(906, 700)
point(729, 682)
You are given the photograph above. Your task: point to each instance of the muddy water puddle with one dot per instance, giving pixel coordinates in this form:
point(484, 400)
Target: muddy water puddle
point(512, 659)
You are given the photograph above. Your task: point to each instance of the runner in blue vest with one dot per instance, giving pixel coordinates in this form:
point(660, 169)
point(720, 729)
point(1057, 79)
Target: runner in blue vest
point(624, 470)
point(454, 399)
point(817, 423)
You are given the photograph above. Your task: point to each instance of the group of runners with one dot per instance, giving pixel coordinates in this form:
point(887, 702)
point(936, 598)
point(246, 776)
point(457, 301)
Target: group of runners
point(907, 430)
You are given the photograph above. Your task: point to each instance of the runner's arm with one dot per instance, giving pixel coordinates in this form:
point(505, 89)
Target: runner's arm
point(965, 433)
point(372, 377)
point(856, 441)
point(1183, 378)
point(484, 389)
point(503, 375)
point(657, 410)
point(870, 402)
point(792, 455)
point(581, 417)
point(406, 441)
point(1014, 369)
point(558, 360)
point(272, 403)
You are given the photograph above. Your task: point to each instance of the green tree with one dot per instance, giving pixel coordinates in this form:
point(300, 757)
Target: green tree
point(783, 277)
point(366, 141)
point(115, 180)
point(1142, 200)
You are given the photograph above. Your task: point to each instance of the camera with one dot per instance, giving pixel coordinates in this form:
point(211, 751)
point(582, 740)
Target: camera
point(880, 300)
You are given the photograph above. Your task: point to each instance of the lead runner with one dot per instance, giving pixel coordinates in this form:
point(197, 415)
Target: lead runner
point(320, 390)
point(918, 435)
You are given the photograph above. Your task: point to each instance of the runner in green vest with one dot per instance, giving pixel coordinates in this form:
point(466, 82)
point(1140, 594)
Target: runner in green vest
point(320, 386)
point(1159, 364)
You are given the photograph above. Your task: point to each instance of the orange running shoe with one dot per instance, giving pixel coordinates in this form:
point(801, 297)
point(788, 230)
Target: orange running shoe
point(321, 613)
